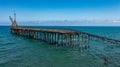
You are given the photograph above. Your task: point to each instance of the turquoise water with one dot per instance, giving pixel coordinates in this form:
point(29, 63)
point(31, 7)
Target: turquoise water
point(17, 51)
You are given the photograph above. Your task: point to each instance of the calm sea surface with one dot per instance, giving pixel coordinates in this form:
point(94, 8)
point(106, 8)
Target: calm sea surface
point(18, 51)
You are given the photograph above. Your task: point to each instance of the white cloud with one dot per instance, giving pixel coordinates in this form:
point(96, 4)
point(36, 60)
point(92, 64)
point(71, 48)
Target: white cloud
point(116, 21)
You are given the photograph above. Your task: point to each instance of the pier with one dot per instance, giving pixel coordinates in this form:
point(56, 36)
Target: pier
point(60, 37)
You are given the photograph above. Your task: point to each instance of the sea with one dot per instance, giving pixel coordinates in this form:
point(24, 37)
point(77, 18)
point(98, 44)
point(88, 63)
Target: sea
point(19, 51)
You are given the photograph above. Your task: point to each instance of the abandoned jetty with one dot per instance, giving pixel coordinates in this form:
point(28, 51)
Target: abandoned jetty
point(60, 37)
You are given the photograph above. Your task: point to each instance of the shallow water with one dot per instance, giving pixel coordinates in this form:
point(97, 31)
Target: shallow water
point(17, 51)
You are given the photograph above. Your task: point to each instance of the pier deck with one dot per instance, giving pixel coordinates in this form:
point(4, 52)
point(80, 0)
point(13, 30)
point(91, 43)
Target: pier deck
point(60, 37)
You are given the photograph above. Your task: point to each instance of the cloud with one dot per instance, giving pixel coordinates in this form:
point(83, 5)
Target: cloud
point(116, 21)
point(68, 23)
point(72, 23)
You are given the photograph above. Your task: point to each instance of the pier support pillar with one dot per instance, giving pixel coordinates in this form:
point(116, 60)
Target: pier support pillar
point(34, 35)
point(58, 39)
point(88, 41)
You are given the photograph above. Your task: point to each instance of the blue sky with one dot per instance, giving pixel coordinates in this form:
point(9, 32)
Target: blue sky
point(60, 10)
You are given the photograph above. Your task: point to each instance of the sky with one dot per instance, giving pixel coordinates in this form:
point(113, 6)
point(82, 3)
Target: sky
point(61, 12)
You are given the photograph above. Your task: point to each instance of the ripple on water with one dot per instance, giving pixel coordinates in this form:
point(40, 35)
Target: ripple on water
point(11, 60)
point(11, 56)
point(6, 45)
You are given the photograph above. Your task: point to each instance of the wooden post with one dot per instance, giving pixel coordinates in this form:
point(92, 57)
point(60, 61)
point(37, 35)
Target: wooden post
point(59, 39)
point(40, 36)
point(78, 40)
point(88, 41)
point(66, 40)
point(48, 37)
point(62, 40)
point(82, 43)
point(34, 35)
point(55, 38)
point(52, 38)
point(70, 40)
point(44, 36)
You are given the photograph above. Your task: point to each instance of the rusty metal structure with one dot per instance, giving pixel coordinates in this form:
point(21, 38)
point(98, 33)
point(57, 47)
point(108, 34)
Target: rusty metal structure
point(14, 23)
point(59, 37)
